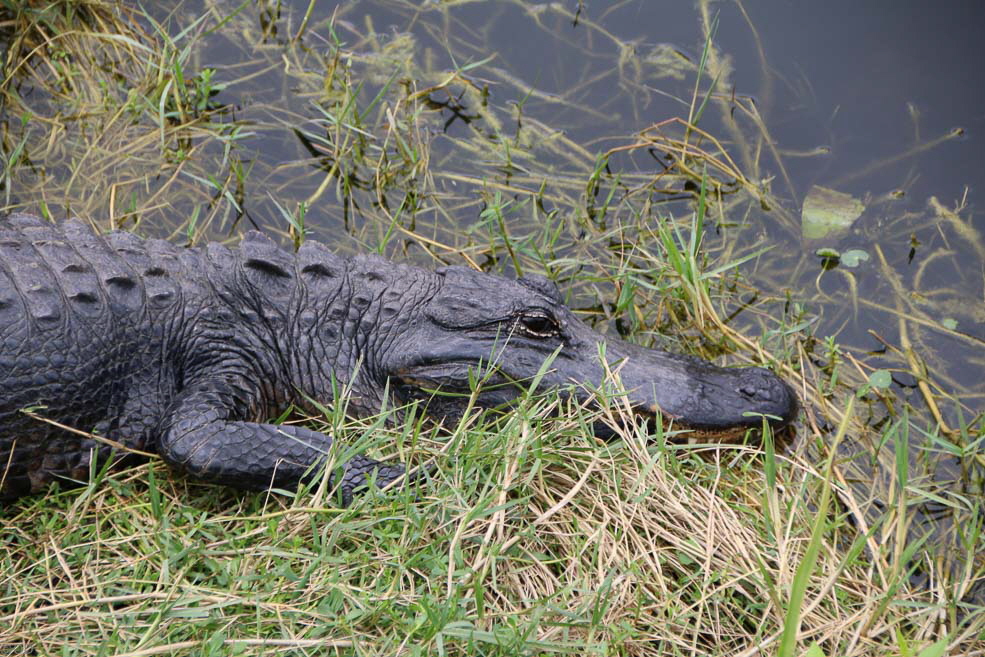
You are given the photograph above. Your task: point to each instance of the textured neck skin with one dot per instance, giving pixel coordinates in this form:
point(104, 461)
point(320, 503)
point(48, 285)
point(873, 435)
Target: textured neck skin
point(348, 315)
point(328, 322)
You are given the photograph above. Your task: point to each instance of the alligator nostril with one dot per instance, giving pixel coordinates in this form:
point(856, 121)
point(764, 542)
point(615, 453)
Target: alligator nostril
point(753, 392)
point(760, 385)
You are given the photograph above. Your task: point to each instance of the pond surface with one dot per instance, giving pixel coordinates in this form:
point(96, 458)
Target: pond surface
point(442, 131)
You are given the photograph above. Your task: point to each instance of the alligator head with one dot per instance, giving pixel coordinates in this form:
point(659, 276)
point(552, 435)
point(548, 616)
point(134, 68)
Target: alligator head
point(483, 328)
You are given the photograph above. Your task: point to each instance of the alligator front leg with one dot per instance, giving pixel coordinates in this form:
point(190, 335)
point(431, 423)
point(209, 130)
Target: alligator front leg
point(201, 435)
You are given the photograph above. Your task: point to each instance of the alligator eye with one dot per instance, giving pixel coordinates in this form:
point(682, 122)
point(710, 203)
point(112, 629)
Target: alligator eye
point(538, 325)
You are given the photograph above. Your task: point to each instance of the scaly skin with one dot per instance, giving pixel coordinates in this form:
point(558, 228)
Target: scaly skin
point(184, 352)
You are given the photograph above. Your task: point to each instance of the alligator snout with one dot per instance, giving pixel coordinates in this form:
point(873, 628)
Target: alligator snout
point(767, 393)
point(699, 395)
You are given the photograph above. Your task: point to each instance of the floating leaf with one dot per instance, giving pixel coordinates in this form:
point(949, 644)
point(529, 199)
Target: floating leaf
point(949, 323)
point(880, 379)
point(827, 213)
point(853, 257)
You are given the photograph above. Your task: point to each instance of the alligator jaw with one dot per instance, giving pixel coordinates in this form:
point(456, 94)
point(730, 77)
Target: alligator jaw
point(702, 400)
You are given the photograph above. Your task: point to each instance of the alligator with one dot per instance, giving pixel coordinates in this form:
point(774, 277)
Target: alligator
point(112, 345)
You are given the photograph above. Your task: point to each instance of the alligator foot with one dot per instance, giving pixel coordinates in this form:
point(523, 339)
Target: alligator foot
point(361, 472)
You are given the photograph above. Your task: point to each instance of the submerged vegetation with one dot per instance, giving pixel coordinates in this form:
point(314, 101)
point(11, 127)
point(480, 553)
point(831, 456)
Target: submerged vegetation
point(860, 533)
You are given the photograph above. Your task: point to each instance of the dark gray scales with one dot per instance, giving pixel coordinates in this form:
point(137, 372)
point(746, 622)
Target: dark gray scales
point(185, 353)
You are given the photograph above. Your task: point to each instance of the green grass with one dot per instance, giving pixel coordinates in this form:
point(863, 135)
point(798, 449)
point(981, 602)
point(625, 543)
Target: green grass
point(532, 537)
